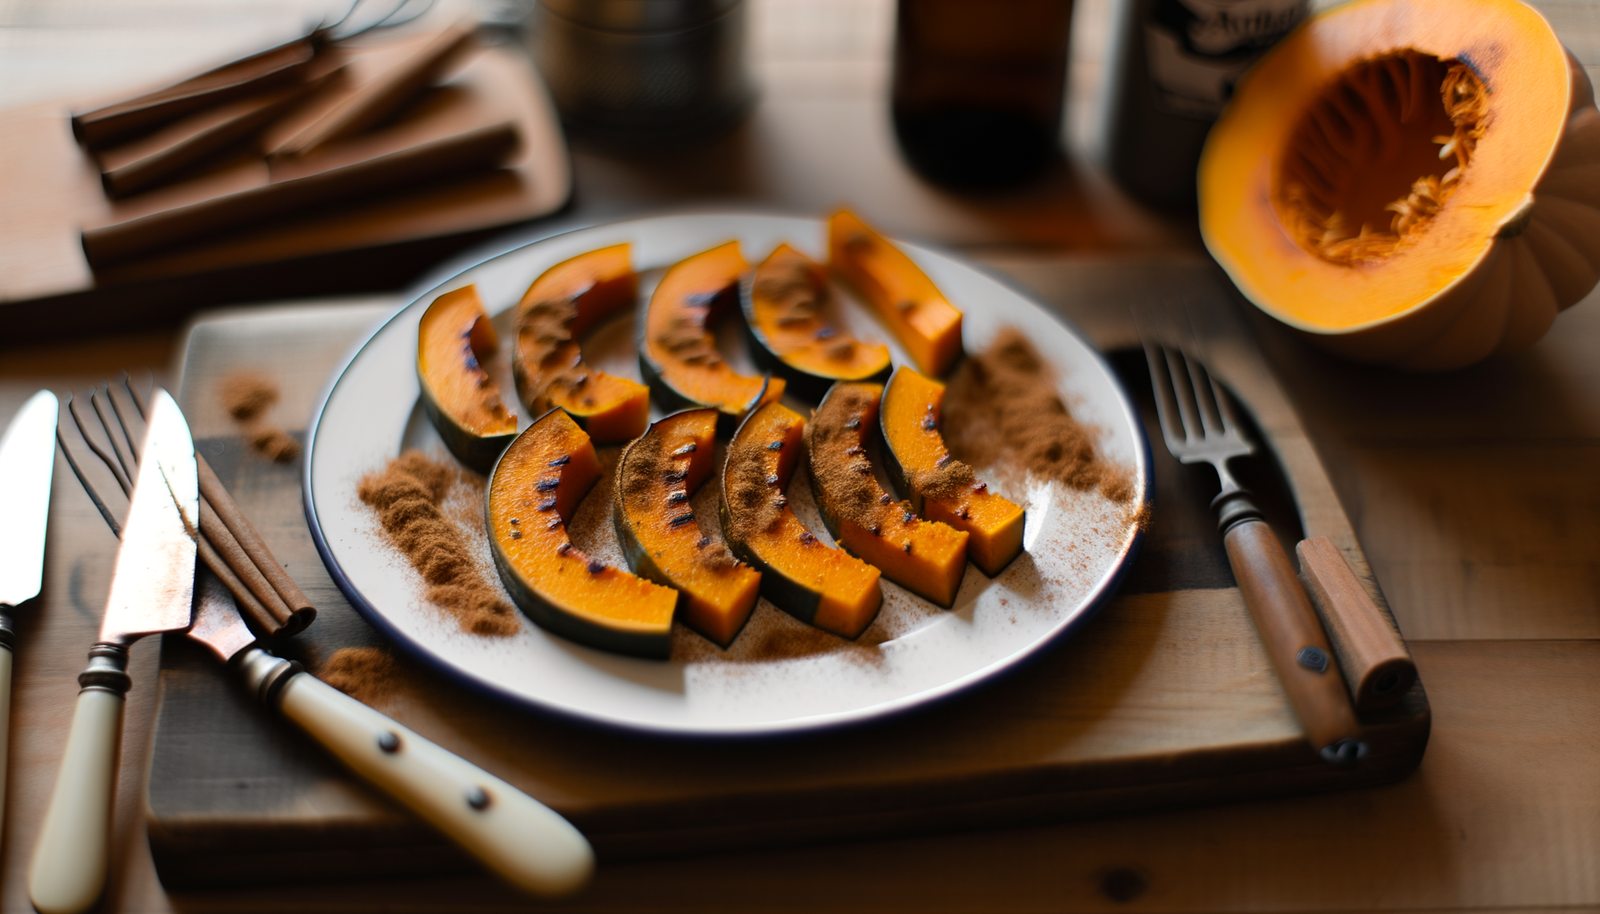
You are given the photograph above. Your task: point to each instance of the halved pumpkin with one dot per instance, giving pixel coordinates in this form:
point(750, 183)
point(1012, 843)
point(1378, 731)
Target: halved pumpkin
point(801, 575)
point(458, 396)
point(677, 353)
point(927, 325)
point(656, 525)
point(941, 487)
point(533, 492)
point(1414, 182)
point(926, 557)
point(563, 304)
point(785, 303)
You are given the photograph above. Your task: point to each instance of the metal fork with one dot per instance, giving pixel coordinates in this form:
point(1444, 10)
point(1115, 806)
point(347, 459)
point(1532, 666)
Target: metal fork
point(1200, 426)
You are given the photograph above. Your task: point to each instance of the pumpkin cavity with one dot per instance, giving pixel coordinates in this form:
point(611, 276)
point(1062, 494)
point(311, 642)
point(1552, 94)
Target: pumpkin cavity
point(1380, 152)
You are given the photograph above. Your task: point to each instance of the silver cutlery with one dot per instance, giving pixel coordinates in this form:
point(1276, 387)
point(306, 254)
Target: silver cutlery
point(27, 461)
point(152, 591)
point(525, 842)
point(1199, 426)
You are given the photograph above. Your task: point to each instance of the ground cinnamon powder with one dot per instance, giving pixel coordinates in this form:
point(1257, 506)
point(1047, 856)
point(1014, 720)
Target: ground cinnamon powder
point(647, 463)
point(548, 356)
point(1002, 403)
point(839, 462)
point(408, 494)
point(756, 503)
point(247, 395)
point(367, 674)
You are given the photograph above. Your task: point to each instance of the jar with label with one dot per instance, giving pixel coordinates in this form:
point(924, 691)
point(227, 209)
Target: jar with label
point(1173, 68)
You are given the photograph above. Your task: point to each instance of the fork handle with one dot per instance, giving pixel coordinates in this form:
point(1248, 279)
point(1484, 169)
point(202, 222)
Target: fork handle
point(1294, 640)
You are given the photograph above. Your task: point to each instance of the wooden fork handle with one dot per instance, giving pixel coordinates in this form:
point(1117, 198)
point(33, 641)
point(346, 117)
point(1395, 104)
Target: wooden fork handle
point(1294, 640)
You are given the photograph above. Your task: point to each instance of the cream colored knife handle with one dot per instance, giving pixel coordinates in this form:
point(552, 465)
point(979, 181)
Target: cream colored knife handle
point(69, 862)
point(511, 833)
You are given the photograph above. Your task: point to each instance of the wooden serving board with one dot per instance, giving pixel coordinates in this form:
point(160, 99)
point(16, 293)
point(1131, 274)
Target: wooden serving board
point(1164, 699)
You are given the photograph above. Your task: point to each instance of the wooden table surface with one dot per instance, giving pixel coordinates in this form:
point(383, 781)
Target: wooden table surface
point(1475, 495)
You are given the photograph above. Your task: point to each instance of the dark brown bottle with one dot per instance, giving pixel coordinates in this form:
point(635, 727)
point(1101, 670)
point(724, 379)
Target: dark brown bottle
point(1173, 67)
point(979, 88)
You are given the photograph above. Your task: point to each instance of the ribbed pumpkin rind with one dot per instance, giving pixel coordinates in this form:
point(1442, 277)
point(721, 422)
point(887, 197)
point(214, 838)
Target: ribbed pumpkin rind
point(1501, 301)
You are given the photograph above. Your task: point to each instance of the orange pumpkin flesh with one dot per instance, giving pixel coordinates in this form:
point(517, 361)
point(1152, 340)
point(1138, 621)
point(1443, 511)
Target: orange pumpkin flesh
point(677, 353)
point(926, 557)
point(1410, 182)
point(533, 492)
point(826, 587)
point(916, 458)
point(656, 475)
point(927, 325)
point(460, 399)
point(562, 305)
point(784, 302)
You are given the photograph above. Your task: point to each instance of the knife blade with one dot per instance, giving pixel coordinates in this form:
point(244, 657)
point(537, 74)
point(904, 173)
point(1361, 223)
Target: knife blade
point(152, 590)
point(27, 461)
point(525, 842)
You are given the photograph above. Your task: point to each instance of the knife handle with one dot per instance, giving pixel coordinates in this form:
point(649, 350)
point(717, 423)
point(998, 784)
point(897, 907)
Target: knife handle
point(1294, 640)
point(8, 640)
point(69, 862)
point(519, 838)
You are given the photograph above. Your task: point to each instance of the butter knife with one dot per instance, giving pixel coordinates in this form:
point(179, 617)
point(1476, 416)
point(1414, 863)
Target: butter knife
point(152, 590)
point(27, 461)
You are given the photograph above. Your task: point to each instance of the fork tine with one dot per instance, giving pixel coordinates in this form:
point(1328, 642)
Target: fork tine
point(83, 480)
point(1205, 396)
point(134, 435)
point(119, 443)
point(1183, 390)
point(134, 395)
point(111, 462)
point(1161, 386)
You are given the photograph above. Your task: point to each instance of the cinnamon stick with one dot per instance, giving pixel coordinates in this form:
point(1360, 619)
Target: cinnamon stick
point(242, 564)
point(249, 606)
point(297, 611)
point(233, 549)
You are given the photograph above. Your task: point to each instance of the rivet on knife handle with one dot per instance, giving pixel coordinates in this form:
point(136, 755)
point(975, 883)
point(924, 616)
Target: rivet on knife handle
point(69, 862)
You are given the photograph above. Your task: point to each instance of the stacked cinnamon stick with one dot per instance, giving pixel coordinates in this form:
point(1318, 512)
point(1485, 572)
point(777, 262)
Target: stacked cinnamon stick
point(230, 545)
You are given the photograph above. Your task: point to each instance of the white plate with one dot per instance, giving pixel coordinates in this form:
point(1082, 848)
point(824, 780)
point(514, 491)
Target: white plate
point(780, 675)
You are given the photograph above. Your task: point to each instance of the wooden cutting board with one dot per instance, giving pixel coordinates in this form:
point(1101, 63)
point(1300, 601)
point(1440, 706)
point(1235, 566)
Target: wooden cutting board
point(1164, 699)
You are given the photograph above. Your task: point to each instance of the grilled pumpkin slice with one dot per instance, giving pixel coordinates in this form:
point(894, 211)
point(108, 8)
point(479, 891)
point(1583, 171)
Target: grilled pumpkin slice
point(939, 486)
point(785, 302)
point(460, 399)
point(801, 575)
point(563, 304)
point(927, 325)
point(534, 490)
point(656, 525)
point(926, 557)
point(677, 353)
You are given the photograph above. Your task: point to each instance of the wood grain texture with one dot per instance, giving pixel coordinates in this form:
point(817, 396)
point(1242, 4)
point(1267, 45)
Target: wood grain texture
point(1469, 831)
point(1166, 699)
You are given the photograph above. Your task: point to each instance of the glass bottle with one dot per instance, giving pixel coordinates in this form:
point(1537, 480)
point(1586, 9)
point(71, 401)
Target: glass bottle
point(979, 87)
